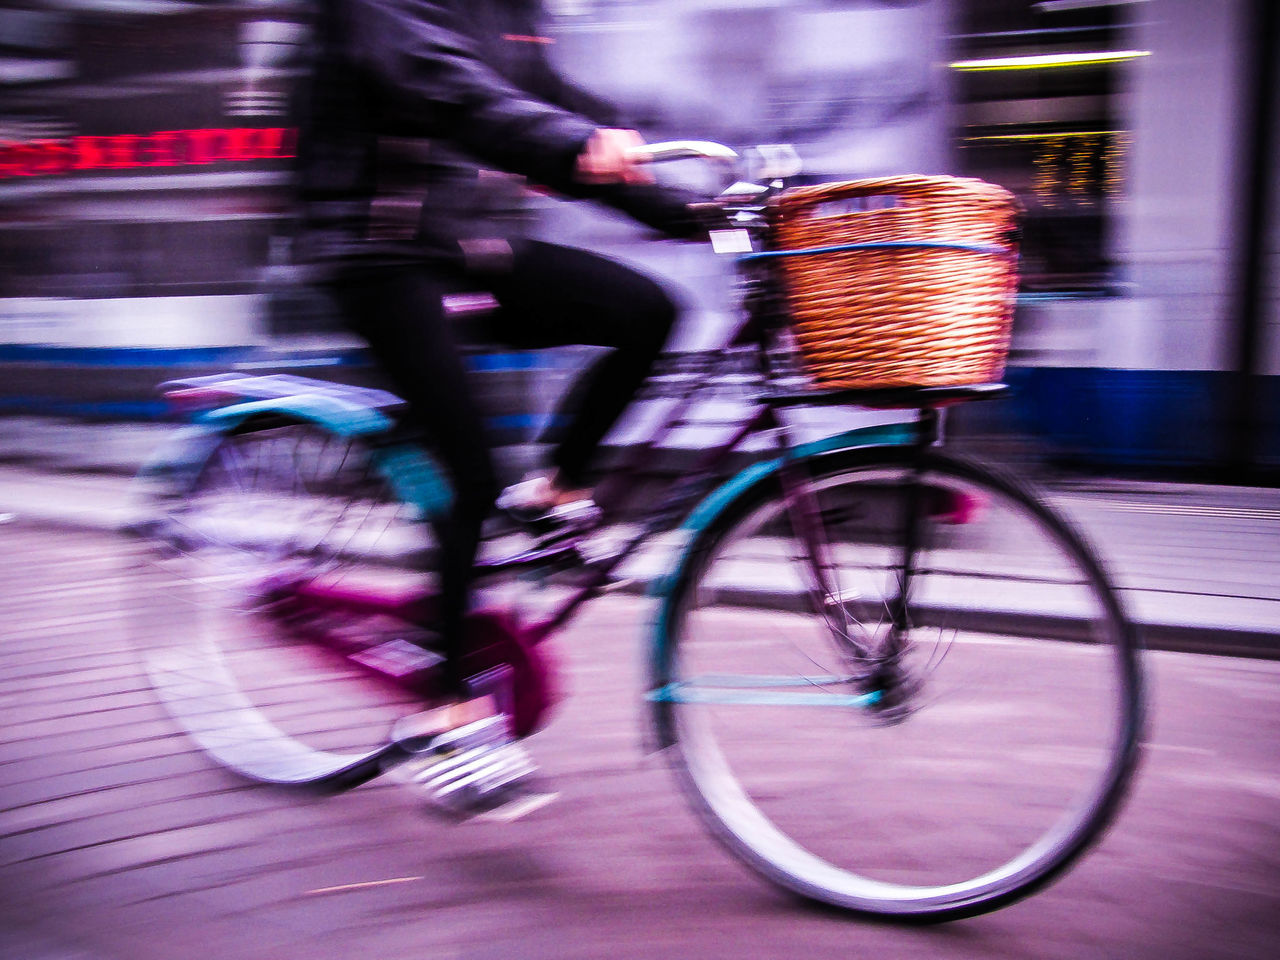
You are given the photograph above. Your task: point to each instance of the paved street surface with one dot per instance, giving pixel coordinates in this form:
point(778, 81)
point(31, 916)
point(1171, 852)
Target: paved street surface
point(118, 840)
point(1198, 566)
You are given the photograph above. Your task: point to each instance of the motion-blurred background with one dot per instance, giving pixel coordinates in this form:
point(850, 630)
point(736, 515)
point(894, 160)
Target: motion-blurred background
point(146, 219)
point(147, 228)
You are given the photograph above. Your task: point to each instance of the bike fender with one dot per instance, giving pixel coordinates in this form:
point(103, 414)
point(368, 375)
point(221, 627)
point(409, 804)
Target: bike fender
point(705, 513)
point(716, 502)
point(344, 419)
point(416, 479)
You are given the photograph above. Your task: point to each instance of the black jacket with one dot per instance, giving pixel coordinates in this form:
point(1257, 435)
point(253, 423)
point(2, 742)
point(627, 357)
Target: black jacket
point(415, 105)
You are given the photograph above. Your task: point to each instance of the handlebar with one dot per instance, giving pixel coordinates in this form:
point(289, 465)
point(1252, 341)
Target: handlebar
point(681, 150)
point(739, 209)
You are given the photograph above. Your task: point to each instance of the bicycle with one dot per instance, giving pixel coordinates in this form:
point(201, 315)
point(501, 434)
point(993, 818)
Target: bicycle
point(889, 679)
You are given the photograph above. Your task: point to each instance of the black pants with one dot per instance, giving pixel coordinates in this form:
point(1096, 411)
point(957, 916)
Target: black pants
point(549, 296)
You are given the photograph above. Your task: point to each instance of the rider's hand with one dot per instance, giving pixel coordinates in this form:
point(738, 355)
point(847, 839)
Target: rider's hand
point(604, 158)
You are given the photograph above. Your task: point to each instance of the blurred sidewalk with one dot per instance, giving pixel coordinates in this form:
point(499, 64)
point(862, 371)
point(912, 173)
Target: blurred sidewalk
point(1199, 565)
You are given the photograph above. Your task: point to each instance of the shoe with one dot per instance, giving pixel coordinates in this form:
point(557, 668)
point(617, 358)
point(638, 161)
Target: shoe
point(533, 494)
point(529, 504)
point(471, 769)
point(573, 517)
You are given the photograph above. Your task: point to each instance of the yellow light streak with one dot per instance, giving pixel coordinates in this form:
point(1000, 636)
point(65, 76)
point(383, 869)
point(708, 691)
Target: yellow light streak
point(1047, 61)
point(1044, 136)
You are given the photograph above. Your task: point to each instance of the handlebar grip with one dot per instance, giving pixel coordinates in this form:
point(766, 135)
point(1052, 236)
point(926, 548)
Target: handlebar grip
point(681, 150)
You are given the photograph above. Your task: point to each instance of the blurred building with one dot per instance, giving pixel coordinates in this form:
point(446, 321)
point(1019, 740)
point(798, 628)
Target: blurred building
point(145, 154)
point(1140, 135)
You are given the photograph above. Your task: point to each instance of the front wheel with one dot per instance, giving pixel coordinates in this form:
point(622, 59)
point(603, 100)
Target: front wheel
point(924, 733)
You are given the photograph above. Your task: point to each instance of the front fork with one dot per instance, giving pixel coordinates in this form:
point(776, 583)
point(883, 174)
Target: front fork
point(914, 514)
point(874, 654)
point(896, 685)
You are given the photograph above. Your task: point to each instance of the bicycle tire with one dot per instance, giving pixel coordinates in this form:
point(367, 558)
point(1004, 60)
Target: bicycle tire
point(270, 507)
point(762, 687)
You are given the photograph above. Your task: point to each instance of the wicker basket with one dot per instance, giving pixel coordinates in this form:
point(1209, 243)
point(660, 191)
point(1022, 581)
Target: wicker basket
point(925, 295)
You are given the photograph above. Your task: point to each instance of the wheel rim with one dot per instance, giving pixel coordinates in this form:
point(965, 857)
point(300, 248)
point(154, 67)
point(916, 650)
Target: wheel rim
point(1014, 750)
point(232, 654)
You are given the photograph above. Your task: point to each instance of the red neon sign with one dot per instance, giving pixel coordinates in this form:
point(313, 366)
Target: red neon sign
point(167, 148)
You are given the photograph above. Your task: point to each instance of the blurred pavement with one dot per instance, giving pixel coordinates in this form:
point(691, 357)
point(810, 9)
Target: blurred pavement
point(119, 839)
point(1199, 566)
point(122, 840)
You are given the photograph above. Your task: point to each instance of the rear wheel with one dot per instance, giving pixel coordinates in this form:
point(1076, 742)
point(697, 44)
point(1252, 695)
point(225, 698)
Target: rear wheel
point(925, 753)
point(257, 563)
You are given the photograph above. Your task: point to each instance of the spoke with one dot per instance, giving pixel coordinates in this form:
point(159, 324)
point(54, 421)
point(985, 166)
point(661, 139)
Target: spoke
point(968, 708)
point(233, 470)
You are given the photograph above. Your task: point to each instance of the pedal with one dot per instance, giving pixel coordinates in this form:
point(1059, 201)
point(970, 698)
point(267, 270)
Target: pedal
point(473, 769)
point(558, 553)
point(477, 777)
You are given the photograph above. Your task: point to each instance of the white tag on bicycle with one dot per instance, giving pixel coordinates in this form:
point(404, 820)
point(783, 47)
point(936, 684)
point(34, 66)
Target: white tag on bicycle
point(730, 241)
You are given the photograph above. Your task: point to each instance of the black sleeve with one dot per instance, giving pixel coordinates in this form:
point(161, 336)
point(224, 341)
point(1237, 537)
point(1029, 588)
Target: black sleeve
point(437, 85)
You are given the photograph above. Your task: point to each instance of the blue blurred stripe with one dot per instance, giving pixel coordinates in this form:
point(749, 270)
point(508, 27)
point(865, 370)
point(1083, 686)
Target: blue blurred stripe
point(159, 410)
point(94, 409)
point(213, 356)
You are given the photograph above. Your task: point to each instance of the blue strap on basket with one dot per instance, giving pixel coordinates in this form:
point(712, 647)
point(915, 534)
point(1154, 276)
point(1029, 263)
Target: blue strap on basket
point(990, 249)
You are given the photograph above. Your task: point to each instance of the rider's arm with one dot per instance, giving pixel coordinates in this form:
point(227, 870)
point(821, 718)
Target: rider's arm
point(663, 208)
point(439, 86)
point(436, 84)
